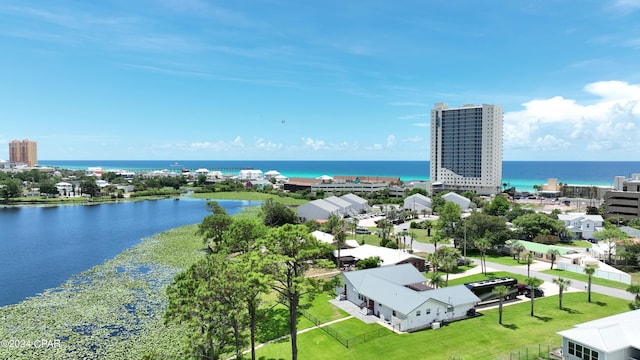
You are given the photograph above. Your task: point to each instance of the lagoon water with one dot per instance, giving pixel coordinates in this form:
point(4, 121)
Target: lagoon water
point(41, 247)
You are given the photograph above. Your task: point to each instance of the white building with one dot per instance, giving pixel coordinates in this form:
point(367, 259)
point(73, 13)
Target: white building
point(458, 199)
point(338, 187)
point(611, 338)
point(417, 202)
point(399, 296)
point(466, 148)
point(387, 256)
point(64, 188)
point(583, 226)
point(345, 206)
point(250, 174)
point(358, 204)
point(318, 210)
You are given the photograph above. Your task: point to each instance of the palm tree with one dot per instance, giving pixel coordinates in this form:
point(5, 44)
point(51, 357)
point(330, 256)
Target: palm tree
point(528, 258)
point(552, 254)
point(563, 284)
point(436, 280)
point(589, 270)
point(483, 245)
point(500, 291)
point(449, 261)
point(635, 290)
point(337, 226)
point(533, 283)
point(517, 250)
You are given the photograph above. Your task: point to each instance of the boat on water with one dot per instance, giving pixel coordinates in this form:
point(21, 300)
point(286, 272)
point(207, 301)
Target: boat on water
point(175, 164)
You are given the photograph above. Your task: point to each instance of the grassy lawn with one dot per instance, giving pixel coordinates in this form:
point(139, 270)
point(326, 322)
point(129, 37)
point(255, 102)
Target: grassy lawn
point(583, 244)
point(322, 309)
point(585, 278)
point(249, 195)
point(501, 259)
point(478, 338)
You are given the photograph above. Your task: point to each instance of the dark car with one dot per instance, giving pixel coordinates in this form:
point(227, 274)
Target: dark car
point(525, 290)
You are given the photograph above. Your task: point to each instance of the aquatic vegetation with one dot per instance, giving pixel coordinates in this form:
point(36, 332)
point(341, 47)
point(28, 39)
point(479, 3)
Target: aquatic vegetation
point(114, 310)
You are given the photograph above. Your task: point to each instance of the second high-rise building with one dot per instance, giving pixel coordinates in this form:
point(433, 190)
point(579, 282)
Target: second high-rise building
point(466, 148)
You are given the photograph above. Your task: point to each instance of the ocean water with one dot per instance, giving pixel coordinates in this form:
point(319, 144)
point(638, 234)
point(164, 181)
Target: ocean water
point(521, 174)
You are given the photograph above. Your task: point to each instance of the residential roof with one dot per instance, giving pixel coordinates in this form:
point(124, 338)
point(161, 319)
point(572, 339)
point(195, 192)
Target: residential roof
point(387, 285)
point(607, 334)
point(580, 216)
point(323, 236)
point(543, 248)
point(387, 255)
point(633, 232)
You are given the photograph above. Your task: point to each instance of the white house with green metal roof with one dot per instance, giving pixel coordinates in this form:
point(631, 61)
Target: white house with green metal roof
point(400, 296)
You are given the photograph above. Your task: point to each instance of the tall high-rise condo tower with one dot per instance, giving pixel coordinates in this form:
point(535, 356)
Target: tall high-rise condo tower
point(466, 148)
point(23, 152)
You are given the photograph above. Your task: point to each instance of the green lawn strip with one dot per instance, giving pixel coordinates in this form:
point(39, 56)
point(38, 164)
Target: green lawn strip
point(478, 338)
point(582, 244)
point(249, 195)
point(500, 259)
point(585, 278)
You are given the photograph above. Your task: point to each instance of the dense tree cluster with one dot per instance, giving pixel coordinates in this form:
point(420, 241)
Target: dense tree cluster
point(220, 298)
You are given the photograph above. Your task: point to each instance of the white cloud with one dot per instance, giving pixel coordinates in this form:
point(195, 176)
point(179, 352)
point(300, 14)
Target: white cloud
point(261, 144)
point(557, 123)
point(312, 144)
point(628, 4)
point(413, 139)
point(420, 124)
point(413, 116)
point(391, 141)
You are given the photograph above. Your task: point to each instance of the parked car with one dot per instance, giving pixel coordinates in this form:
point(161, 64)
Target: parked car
point(362, 230)
point(525, 290)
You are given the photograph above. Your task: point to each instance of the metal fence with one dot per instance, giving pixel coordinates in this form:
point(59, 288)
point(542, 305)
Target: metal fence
point(534, 352)
point(346, 342)
point(599, 273)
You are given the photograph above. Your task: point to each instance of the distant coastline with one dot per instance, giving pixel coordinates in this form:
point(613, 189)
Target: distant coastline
point(521, 174)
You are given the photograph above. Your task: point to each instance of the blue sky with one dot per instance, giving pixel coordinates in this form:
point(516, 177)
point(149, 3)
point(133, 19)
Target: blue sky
point(318, 80)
